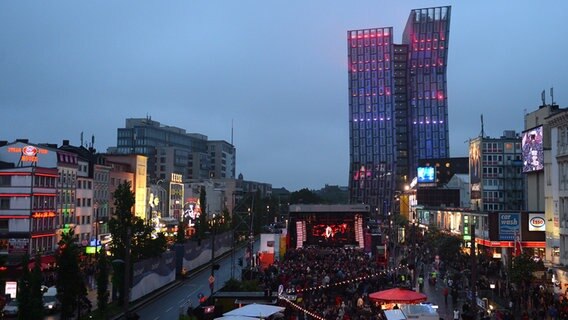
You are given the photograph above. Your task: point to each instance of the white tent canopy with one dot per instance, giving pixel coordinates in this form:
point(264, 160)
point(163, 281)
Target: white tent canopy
point(255, 310)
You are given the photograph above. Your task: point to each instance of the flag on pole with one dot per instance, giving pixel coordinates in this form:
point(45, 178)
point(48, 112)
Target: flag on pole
point(518, 247)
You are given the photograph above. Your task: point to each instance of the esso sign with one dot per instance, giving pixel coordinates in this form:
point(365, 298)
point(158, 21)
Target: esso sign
point(536, 223)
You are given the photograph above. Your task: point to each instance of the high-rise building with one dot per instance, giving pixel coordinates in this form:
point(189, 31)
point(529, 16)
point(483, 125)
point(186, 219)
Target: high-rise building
point(223, 159)
point(496, 173)
point(397, 105)
point(173, 150)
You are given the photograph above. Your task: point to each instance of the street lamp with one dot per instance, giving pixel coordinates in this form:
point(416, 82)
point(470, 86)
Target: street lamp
point(214, 222)
point(96, 207)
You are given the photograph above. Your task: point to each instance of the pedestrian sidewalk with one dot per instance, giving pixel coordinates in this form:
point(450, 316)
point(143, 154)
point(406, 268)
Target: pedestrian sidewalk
point(435, 294)
point(92, 295)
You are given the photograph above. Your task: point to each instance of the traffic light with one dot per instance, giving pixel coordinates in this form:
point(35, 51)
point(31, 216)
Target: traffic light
point(240, 262)
point(216, 266)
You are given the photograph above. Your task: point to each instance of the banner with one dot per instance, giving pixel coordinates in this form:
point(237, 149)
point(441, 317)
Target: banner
point(267, 243)
point(151, 274)
point(196, 255)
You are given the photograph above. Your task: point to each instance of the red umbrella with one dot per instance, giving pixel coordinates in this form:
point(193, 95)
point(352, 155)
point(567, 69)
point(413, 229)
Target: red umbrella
point(398, 295)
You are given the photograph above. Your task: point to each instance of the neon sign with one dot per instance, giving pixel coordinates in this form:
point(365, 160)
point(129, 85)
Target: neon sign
point(29, 153)
point(43, 215)
point(192, 211)
point(176, 178)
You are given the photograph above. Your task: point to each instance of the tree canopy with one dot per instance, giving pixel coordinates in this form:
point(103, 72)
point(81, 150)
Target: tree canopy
point(522, 269)
point(304, 196)
point(71, 287)
point(142, 243)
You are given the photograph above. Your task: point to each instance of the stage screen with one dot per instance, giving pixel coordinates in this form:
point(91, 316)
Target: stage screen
point(331, 231)
point(533, 152)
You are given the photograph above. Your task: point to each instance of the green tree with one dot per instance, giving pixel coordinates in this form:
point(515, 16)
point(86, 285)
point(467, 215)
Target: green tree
point(522, 270)
point(24, 290)
point(333, 195)
point(36, 295)
point(447, 246)
point(120, 227)
point(143, 244)
point(304, 196)
point(122, 220)
point(71, 286)
point(102, 282)
point(180, 236)
point(227, 221)
point(130, 234)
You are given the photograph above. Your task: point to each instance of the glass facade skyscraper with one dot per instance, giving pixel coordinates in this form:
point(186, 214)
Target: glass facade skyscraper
point(397, 105)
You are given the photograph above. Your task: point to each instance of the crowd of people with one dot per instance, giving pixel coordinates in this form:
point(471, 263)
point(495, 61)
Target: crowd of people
point(312, 276)
point(325, 281)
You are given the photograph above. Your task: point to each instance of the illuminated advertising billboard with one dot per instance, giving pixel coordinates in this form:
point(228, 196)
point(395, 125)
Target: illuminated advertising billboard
point(426, 175)
point(509, 225)
point(537, 222)
point(192, 211)
point(475, 169)
point(533, 153)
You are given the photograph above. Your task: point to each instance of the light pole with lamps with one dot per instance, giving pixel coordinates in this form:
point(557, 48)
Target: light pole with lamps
point(96, 207)
point(213, 223)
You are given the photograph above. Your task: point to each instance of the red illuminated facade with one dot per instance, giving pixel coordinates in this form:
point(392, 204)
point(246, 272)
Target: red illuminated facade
point(28, 214)
point(37, 199)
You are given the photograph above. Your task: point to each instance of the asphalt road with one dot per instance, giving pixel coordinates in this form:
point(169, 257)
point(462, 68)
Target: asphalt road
point(170, 304)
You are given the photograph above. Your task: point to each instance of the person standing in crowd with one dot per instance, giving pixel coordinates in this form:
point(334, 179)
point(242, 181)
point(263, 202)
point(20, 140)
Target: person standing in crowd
point(456, 314)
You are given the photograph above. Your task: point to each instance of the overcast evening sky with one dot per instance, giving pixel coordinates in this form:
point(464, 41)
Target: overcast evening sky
point(276, 69)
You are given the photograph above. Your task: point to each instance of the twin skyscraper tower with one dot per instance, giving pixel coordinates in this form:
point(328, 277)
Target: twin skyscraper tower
point(398, 106)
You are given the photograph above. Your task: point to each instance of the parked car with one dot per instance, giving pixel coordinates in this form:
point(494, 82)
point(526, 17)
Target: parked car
point(11, 309)
point(50, 302)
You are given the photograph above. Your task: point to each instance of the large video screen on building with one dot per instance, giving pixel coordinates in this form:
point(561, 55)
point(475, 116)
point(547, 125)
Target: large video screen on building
point(533, 153)
point(475, 169)
point(426, 174)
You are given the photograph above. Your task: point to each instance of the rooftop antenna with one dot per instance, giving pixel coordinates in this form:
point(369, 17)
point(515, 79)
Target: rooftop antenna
point(552, 95)
point(93, 141)
point(81, 138)
point(232, 131)
point(482, 130)
point(542, 96)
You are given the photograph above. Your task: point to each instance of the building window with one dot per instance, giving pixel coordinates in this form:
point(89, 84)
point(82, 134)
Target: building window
point(5, 180)
point(4, 204)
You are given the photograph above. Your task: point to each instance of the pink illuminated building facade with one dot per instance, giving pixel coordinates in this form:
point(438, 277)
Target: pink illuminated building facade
point(398, 112)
